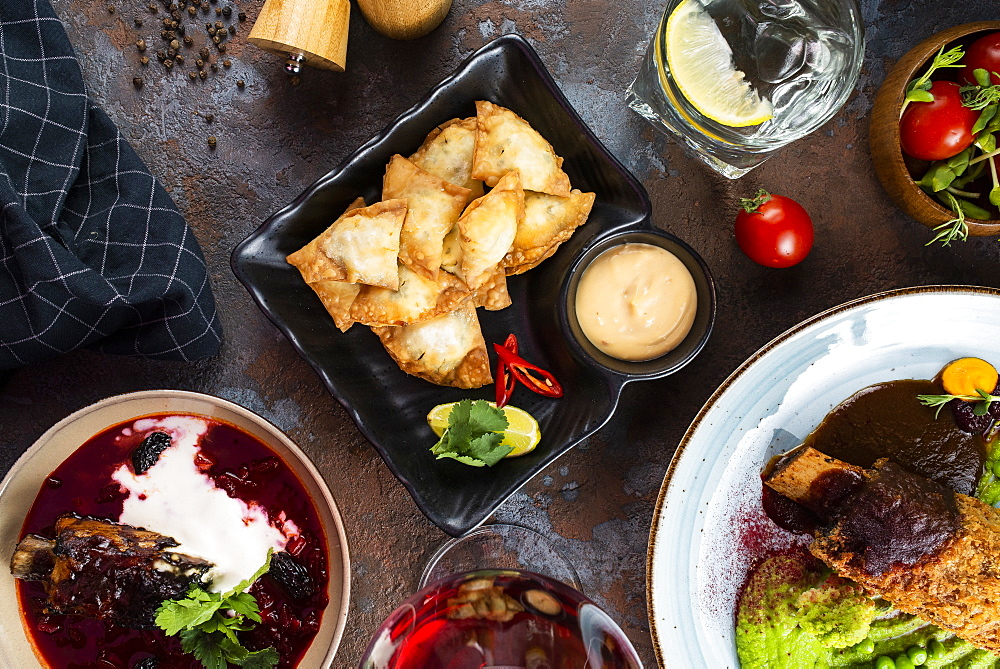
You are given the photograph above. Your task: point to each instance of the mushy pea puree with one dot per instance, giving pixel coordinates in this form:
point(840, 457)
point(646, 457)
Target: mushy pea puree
point(795, 614)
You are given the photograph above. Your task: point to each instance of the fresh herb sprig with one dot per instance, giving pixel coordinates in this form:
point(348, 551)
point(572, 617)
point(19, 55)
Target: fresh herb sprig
point(475, 430)
point(918, 90)
point(983, 401)
point(953, 229)
point(208, 622)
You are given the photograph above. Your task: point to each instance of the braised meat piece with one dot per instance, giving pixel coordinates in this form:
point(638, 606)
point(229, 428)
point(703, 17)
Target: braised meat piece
point(107, 570)
point(930, 551)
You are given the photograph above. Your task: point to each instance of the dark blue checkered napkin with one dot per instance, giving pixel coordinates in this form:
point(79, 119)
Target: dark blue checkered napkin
point(92, 250)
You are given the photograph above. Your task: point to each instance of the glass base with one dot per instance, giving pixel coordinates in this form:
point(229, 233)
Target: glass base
point(500, 546)
point(691, 147)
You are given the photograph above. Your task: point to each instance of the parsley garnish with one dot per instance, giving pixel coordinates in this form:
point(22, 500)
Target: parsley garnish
point(475, 430)
point(208, 622)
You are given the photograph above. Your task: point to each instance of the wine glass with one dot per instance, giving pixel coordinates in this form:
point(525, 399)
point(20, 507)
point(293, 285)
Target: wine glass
point(482, 603)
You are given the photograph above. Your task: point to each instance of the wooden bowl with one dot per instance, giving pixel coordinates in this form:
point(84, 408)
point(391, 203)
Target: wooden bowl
point(887, 155)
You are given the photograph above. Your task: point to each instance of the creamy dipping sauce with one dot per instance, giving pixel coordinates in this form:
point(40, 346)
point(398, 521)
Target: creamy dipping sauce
point(636, 301)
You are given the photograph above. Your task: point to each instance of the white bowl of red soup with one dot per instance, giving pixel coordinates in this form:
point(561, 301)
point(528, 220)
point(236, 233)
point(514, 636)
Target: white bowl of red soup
point(231, 491)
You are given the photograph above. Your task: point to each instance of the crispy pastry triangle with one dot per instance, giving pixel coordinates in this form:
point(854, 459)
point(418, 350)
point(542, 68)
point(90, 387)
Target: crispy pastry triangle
point(433, 207)
point(447, 153)
point(505, 142)
point(360, 247)
point(417, 299)
point(448, 350)
point(487, 229)
point(549, 220)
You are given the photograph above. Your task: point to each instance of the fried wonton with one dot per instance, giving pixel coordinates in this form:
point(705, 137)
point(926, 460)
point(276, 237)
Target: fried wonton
point(505, 141)
point(337, 298)
point(487, 229)
point(492, 294)
point(417, 299)
point(447, 153)
point(432, 209)
point(360, 247)
point(549, 220)
point(448, 350)
point(451, 255)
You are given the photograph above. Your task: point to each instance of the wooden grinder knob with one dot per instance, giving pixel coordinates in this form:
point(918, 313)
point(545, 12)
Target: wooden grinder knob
point(404, 19)
point(313, 31)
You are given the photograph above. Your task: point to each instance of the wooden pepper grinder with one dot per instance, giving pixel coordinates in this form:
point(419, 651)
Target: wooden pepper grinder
point(313, 32)
point(404, 19)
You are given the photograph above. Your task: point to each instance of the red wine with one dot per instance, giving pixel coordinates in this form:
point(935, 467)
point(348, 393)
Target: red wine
point(499, 620)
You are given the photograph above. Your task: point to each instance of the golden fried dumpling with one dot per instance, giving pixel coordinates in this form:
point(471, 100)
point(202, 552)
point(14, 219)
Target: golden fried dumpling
point(549, 220)
point(337, 298)
point(448, 350)
point(492, 294)
point(447, 153)
point(432, 209)
point(487, 229)
point(417, 299)
point(360, 247)
point(505, 141)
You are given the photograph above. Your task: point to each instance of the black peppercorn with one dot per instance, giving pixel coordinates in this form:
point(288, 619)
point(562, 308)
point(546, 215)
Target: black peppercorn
point(215, 67)
point(200, 64)
point(175, 45)
point(227, 11)
point(137, 82)
point(181, 30)
point(141, 45)
point(171, 53)
point(212, 141)
point(212, 31)
point(240, 83)
point(144, 60)
point(111, 9)
point(243, 16)
point(193, 75)
point(204, 6)
point(152, 9)
point(192, 10)
point(227, 63)
point(216, 39)
point(232, 29)
point(203, 75)
point(218, 11)
point(168, 63)
point(166, 23)
point(180, 59)
point(161, 55)
point(188, 40)
point(209, 118)
point(173, 7)
point(138, 21)
point(221, 48)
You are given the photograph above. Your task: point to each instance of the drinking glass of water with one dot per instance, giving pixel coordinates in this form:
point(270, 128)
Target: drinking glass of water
point(736, 80)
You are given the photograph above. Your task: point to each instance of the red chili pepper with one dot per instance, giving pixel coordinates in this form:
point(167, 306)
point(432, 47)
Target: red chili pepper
point(532, 376)
point(505, 381)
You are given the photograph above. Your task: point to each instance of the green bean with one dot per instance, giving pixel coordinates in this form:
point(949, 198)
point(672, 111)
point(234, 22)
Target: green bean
point(917, 655)
point(884, 662)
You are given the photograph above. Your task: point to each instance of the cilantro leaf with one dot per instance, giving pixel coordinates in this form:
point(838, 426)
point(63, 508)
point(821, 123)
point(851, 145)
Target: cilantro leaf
point(208, 622)
point(475, 430)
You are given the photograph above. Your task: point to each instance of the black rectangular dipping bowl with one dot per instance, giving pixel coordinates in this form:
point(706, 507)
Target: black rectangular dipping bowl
point(389, 406)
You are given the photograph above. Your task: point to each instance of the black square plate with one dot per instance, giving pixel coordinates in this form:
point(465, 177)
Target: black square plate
point(388, 405)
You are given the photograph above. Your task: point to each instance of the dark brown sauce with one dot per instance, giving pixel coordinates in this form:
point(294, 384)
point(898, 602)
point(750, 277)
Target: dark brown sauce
point(886, 421)
point(897, 518)
point(245, 468)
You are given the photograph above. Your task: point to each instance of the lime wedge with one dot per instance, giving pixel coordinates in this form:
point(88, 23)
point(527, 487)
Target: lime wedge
point(522, 431)
point(701, 63)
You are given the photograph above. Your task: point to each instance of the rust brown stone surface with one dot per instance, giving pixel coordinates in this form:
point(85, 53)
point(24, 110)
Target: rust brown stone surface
point(596, 503)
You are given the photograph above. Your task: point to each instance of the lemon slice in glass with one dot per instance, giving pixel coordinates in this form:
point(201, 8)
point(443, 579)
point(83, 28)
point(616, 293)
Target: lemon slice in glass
point(522, 431)
point(701, 63)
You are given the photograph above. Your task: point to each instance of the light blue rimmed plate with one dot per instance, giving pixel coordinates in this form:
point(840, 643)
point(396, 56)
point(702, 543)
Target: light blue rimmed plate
point(708, 527)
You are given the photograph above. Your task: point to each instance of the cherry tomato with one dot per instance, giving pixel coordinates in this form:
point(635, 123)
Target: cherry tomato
point(939, 129)
point(773, 230)
point(983, 53)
